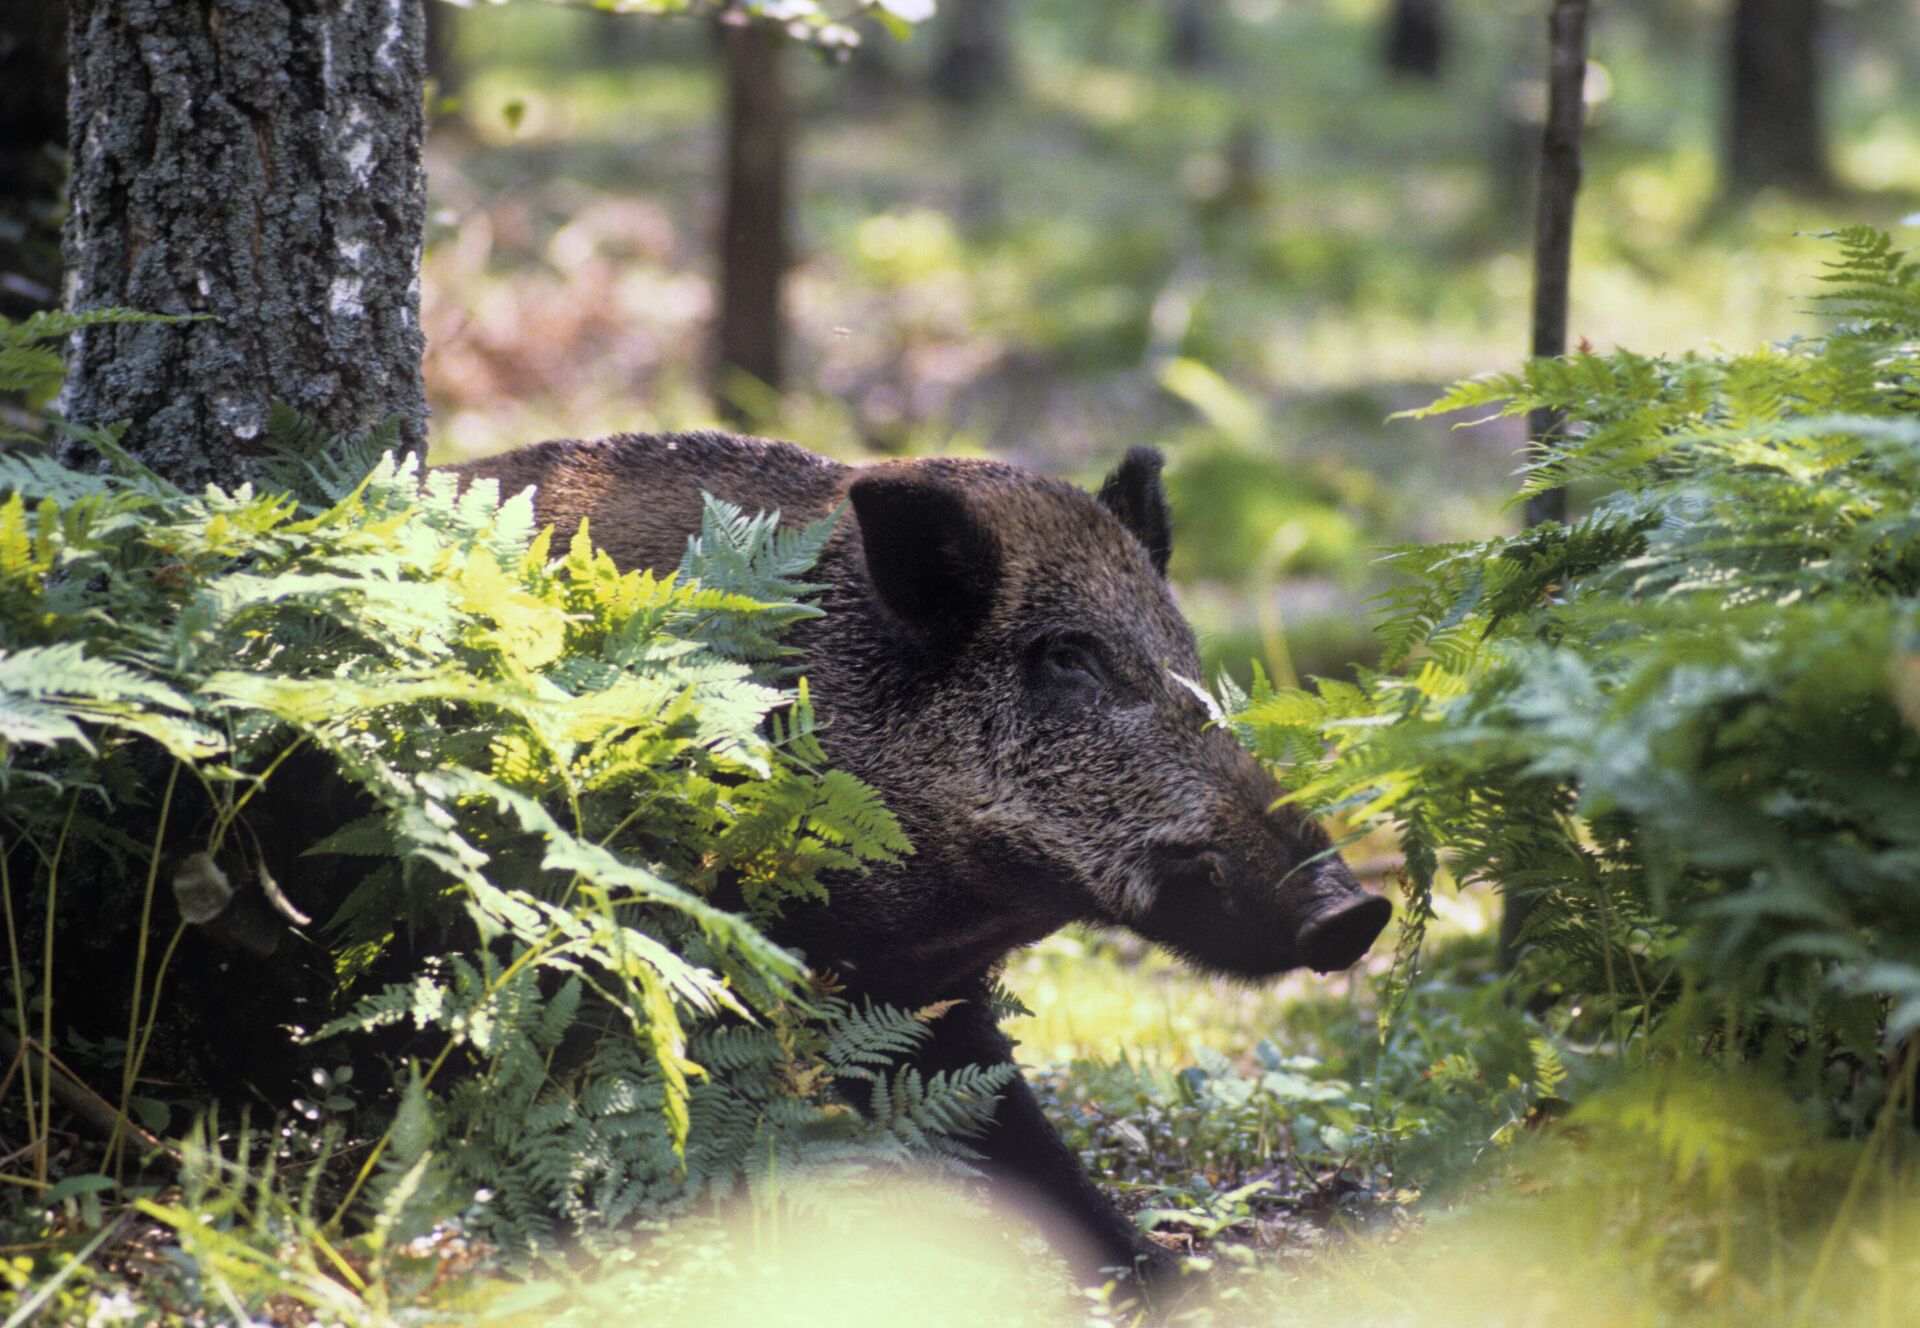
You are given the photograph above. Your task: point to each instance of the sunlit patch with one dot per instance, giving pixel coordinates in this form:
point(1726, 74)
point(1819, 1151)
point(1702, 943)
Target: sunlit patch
point(827, 1249)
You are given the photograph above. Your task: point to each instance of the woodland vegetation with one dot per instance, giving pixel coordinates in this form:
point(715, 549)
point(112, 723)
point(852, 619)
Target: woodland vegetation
point(1642, 770)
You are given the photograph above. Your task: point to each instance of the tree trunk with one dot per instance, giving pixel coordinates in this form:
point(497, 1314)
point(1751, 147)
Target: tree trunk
point(449, 76)
point(1416, 42)
point(259, 164)
point(1774, 132)
point(753, 226)
point(972, 62)
point(33, 135)
point(872, 69)
point(1553, 218)
point(1552, 284)
point(1190, 36)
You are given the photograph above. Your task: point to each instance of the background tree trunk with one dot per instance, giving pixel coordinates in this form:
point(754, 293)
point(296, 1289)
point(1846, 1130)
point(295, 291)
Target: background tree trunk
point(33, 139)
point(1775, 133)
point(1190, 35)
point(753, 225)
point(1416, 40)
point(972, 62)
point(443, 49)
point(872, 69)
point(1552, 286)
point(1553, 218)
point(259, 164)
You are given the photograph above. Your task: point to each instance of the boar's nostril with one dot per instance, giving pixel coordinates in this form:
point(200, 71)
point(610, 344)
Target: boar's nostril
point(1339, 934)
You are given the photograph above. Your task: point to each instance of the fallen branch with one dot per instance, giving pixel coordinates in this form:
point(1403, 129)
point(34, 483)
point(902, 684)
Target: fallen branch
point(78, 1098)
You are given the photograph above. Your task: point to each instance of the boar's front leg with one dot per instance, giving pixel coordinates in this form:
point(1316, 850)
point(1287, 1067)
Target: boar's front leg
point(1029, 1164)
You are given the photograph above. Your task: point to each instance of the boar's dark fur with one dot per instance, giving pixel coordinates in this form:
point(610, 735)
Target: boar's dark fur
point(1001, 658)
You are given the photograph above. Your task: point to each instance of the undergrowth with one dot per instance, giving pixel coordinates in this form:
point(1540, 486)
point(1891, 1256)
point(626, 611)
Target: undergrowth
point(1681, 735)
point(576, 797)
point(1682, 728)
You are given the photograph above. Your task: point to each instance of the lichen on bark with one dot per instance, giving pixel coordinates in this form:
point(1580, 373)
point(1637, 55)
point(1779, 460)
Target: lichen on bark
point(258, 162)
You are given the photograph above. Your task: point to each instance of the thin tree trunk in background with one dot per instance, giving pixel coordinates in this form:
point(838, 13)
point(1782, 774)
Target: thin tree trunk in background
point(873, 68)
point(1552, 274)
point(1416, 40)
point(1512, 140)
point(1190, 36)
point(33, 139)
point(972, 62)
point(259, 164)
point(1775, 132)
point(620, 42)
point(443, 49)
point(753, 226)
point(1553, 218)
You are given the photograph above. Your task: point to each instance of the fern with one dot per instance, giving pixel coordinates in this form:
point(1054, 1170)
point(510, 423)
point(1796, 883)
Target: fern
point(1669, 724)
point(317, 470)
point(1872, 280)
point(592, 1148)
point(560, 765)
point(868, 1038)
point(32, 367)
point(749, 562)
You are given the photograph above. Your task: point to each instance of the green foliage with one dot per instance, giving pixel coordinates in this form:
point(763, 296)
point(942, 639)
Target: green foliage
point(1322, 1117)
point(587, 1142)
point(1683, 1195)
point(1267, 516)
point(564, 769)
point(314, 468)
point(750, 555)
point(1686, 726)
point(30, 362)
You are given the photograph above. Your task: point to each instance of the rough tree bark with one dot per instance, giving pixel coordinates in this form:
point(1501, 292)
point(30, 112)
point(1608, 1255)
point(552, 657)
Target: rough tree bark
point(1552, 280)
point(972, 62)
point(258, 163)
point(1775, 133)
point(33, 133)
point(753, 224)
point(1416, 39)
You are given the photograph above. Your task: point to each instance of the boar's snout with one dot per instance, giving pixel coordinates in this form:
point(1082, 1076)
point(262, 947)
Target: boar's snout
point(1339, 921)
point(1237, 881)
point(1225, 911)
point(1290, 877)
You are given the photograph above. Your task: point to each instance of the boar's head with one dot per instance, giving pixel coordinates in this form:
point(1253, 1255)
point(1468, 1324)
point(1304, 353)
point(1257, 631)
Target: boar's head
point(1006, 665)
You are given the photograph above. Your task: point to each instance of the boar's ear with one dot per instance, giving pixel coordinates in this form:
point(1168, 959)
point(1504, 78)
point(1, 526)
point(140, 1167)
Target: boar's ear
point(931, 558)
point(1134, 494)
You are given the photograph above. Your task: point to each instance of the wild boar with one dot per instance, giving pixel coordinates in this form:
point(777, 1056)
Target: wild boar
point(1002, 660)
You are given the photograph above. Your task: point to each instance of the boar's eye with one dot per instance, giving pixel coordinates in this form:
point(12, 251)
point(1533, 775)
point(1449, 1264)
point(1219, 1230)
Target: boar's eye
point(1068, 665)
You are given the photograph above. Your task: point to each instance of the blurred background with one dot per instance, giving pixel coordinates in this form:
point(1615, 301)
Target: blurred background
point(1247, 231)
